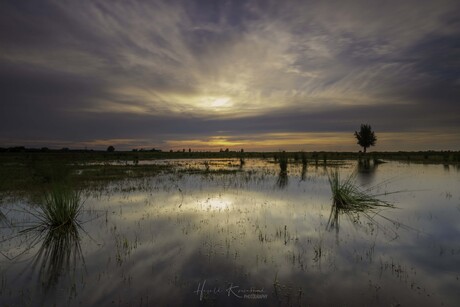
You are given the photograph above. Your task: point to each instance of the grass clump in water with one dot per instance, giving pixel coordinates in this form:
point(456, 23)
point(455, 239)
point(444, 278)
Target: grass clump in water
point(58, 230)
point(349, 199)
point(60, 206)
point(347, 195)
point(283, 162)
point(303, 157)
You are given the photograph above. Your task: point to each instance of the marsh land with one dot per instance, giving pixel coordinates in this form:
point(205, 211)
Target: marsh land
point(231, 228)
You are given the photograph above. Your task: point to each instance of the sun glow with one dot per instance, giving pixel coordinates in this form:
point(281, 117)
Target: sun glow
point(221, 102)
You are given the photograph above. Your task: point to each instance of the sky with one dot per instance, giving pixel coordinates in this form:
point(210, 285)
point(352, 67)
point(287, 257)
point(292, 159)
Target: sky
point(209, 74)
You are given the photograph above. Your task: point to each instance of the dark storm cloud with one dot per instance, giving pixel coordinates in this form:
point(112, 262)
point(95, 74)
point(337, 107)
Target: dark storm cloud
point(39, 103)
point(94, 70)
point(437, 58)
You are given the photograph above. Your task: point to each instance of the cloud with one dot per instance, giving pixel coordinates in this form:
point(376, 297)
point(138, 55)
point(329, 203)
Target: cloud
point(92, 70)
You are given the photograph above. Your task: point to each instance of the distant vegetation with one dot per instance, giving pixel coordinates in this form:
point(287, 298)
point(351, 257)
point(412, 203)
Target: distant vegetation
point(35, 169)
point(21, 154)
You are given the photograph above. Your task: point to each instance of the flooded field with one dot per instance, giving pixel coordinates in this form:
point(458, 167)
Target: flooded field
point(246, 235)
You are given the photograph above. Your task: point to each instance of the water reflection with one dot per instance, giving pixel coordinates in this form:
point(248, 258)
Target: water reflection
point(365, 219)
point(366, 170)
point(282, 180)
point(59, 254)
point(446, 167)
point(303, 174)
point(2, 217)
point(333, 221)
point(159, 246)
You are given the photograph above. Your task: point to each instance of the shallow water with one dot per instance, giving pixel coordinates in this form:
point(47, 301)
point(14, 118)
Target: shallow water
point(247, 238)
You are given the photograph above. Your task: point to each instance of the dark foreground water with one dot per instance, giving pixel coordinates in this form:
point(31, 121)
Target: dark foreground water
point(249, 238)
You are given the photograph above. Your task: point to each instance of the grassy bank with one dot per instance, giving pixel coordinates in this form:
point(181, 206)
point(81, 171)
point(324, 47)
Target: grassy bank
point(37, 170)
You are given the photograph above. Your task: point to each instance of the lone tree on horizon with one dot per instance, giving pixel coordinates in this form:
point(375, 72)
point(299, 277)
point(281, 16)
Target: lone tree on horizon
point(366, 136)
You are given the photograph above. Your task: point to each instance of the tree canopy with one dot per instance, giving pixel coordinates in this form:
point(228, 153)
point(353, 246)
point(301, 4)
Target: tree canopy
point(366, 136)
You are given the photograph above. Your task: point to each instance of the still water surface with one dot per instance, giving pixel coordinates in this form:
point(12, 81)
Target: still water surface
point(247, 238)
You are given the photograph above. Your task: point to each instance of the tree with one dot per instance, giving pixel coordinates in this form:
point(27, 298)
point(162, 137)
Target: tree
point(110, 148)
point(365, 136)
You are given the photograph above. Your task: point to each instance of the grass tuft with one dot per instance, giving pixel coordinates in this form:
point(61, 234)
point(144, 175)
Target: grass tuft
point(303, 157)
point(349, 199)
point(58, 230)
point(347, 195)
point(60, 206)
point(283, 162)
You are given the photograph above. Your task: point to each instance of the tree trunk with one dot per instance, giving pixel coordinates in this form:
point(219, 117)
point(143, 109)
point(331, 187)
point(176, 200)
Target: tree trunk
point(364, 149)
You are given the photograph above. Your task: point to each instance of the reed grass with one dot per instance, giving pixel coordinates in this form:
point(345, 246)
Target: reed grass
point(352, 201)
point(303, 157)
point(347, 195)
point(283, 162)
point(57, 228)
point(60, 206)
point(206, 166)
